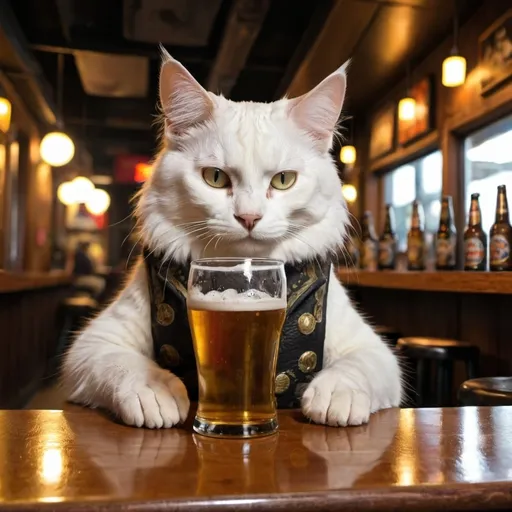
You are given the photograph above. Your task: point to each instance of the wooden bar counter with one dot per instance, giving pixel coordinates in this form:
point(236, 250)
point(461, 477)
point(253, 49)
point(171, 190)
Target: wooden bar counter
point(424, 459)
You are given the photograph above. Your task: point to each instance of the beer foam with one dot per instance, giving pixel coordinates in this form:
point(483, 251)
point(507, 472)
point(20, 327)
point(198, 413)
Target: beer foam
point(231, 300)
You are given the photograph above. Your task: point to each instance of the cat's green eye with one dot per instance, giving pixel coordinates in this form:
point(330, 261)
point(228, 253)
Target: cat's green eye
point(216, 177)
point(284, 180)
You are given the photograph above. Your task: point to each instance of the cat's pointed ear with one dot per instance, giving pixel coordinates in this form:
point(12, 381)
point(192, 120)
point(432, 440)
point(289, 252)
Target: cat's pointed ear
point(317, 112)
point(184, 102)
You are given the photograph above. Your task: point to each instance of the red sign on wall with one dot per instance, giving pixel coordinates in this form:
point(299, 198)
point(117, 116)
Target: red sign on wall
point(125, 167)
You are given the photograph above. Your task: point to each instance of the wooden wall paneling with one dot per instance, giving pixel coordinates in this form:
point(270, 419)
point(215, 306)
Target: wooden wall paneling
point(453, 184)
point(504, 328)
point(29, 336)
point(479, 324)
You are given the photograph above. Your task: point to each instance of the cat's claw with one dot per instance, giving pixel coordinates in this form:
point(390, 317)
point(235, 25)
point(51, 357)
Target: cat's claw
point(331, 400)
point(160, 401)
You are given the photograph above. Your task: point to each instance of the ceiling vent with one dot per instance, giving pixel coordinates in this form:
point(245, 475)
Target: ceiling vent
point(173, 22)
point(114, 76)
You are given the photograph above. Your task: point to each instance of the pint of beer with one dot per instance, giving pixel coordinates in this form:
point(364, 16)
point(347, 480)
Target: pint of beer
point(236, 311)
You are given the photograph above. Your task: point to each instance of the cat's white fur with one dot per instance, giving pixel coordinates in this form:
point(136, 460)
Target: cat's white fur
point(111, 364)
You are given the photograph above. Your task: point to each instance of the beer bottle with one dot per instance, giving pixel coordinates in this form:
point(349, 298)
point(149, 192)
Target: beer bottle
point(388, 242)
point(501, 234)
point(475, 240)
point(353, 253)
point(369, 243)
point(416, 239)
point(446, 237)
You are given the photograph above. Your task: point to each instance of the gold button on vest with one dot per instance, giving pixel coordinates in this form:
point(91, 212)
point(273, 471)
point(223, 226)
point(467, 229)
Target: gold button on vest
point(164, 314)
point(282, 383)
point(307, 323)
point(307, 362)
point(169, 356)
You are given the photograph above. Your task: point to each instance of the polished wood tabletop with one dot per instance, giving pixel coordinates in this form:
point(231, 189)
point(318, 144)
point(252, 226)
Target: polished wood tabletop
point(423, 459)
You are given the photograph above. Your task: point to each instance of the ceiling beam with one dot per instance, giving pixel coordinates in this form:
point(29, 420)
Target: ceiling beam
point(123, 48)
point(242, 28)
point(321, 12)
point(138, 51)
point(25, 69)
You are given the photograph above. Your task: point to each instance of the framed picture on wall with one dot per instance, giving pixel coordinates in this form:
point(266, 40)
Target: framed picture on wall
point(382, 139)
point(410, 130)
point(495, 53)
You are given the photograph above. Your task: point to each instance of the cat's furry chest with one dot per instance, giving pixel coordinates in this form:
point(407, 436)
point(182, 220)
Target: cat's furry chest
point(302, 340)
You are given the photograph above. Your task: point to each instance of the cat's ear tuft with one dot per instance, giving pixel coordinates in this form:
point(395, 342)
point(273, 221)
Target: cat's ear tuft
point(317, 112)
point(184, 102)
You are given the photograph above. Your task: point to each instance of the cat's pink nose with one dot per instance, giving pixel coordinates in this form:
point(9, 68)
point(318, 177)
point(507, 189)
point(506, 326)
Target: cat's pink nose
point(248, 220)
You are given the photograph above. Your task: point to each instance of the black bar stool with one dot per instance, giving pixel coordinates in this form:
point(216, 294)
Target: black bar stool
point(389, 334)
point(486, 391)
point(443, 353)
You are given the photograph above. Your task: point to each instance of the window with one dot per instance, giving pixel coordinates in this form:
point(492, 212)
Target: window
point(489, 164)
point(421, 179)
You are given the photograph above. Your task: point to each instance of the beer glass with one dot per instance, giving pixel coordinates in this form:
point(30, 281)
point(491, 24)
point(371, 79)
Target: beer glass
point(236, 310)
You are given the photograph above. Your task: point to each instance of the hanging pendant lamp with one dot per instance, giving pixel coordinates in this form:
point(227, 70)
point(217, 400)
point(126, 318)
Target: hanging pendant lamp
point(57, 148)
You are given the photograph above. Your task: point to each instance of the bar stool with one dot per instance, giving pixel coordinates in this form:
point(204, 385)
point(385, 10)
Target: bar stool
point(486, 391)
point(442, 353)
point(389, 334)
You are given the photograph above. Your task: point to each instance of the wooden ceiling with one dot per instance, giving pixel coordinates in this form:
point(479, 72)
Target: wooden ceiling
point(248, 49)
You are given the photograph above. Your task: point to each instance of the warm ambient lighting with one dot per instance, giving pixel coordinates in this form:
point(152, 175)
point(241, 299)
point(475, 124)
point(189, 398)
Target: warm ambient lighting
point(454, 71)
point(82, 188)
point(142, 172)
point(57, 149)
point(349, 193)
point(98, 202)
point(348, 155)
point(407, 109)
point(66, 193)
point(78, 191)
point(5, 115)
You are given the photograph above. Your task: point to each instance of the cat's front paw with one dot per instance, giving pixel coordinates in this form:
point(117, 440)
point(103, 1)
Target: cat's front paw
point(332, 399)
point(157, 400)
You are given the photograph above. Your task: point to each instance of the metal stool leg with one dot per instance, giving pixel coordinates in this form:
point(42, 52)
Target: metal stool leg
point(444, 380)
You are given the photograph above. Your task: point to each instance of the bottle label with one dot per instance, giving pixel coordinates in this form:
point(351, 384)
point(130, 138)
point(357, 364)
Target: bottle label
point(445, 252)
point(415, 249)
point(499, 250)
point(386, 253)
point(474, 252)
point(369, 255)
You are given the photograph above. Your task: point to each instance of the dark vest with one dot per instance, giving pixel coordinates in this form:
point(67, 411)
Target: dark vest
point(301, 346)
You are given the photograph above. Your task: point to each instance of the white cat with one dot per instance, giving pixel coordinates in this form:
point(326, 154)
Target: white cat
point(212, 194)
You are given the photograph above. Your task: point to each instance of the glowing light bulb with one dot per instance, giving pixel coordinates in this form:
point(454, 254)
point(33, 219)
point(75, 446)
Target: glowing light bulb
point(348, 154)
point(5, 114)
point(98, 202)
point(66, 193)
point(349, 193)
point(82, 188)
point(407, 109)
point(454, 71)
point(57, 149)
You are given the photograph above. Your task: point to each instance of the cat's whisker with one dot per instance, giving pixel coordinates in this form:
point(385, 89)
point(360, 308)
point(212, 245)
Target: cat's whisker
point(131, 251)
point(120, 222)
point(218, 240)
point(208, 243)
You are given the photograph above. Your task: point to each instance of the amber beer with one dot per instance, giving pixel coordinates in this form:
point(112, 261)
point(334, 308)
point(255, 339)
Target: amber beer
point(446, 237)
point(388, 242)
point(501, 235)
point(369, 243)
point(475, 239)
point(236, 345)
point(416, 239)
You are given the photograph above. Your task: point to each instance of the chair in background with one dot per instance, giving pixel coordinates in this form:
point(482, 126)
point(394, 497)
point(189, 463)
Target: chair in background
point(486, 391)
point(441, 354)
